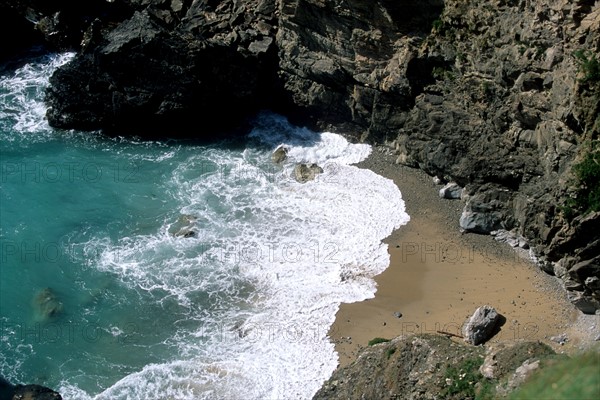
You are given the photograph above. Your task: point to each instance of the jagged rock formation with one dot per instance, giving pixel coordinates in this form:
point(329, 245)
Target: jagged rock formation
point(487, 94)
point(168, 66)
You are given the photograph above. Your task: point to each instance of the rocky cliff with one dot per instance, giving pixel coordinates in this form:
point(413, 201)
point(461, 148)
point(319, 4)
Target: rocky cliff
point(500, 96)
point(434, 367)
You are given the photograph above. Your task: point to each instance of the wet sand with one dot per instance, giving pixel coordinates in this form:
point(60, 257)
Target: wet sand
point(437, 278)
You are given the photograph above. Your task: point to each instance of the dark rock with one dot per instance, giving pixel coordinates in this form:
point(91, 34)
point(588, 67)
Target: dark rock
point(60, 23)
point(35, 392)
point(481, 325)
point(151, 77)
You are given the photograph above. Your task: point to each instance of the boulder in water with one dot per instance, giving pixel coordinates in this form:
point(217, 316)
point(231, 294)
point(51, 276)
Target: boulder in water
point(306, 172)
point(280, 154)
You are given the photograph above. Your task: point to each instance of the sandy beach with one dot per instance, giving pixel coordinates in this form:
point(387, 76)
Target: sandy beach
point(437, 278)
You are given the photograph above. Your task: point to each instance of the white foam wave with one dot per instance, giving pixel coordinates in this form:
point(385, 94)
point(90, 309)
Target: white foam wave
point(274, 257)
point(22, 105)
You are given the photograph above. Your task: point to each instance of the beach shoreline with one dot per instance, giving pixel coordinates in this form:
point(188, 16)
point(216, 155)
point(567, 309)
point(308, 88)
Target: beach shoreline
point(437, 277)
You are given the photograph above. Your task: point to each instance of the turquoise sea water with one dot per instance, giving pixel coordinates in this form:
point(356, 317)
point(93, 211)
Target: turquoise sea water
point(101, 298)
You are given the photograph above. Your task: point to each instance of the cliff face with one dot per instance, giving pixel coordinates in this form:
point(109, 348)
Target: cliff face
point(500, 96)
point(491, 95)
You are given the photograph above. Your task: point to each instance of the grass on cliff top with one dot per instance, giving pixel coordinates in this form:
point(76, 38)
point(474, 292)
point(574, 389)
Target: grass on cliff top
point(574, 378)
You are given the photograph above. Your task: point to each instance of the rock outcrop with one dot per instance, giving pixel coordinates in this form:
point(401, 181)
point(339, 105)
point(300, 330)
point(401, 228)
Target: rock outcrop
point(500, 96)
point(35, 392)
point(170, 66)
point(430, 366)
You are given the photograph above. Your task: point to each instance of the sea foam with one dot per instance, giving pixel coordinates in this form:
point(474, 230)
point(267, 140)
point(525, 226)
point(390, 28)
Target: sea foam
point(241, 309)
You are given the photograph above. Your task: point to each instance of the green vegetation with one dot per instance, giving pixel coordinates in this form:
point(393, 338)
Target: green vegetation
point(574, 378)
point(589, 66)
point(377, 340)
point(442, 73)
point(437, 25)
point(539, 52)
point(587, 174)
point(462, 379)
point(390, 352)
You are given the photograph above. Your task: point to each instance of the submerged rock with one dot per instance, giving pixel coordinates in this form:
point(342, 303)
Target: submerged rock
point(47, 304)
point(184, 227)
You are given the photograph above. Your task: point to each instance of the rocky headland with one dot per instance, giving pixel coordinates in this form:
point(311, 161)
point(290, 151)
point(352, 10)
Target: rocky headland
point(500, 97)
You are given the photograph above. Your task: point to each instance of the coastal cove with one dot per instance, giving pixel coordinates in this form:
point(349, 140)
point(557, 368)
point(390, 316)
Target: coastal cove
point(242, 199)
point(146, 269)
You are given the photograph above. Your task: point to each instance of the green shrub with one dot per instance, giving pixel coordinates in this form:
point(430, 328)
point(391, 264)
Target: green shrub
point(390, 352)
point(589, 66)
point(377, 340)
point(587, 173)
point(463, 378)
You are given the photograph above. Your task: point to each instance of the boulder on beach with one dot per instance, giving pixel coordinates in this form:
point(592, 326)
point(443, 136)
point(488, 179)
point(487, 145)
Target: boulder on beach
point(451, 191)
point(482, 325)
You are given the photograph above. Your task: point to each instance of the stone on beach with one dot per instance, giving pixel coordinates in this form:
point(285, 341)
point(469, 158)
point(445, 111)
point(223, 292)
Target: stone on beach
point(481, 326)
point(451, 191)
